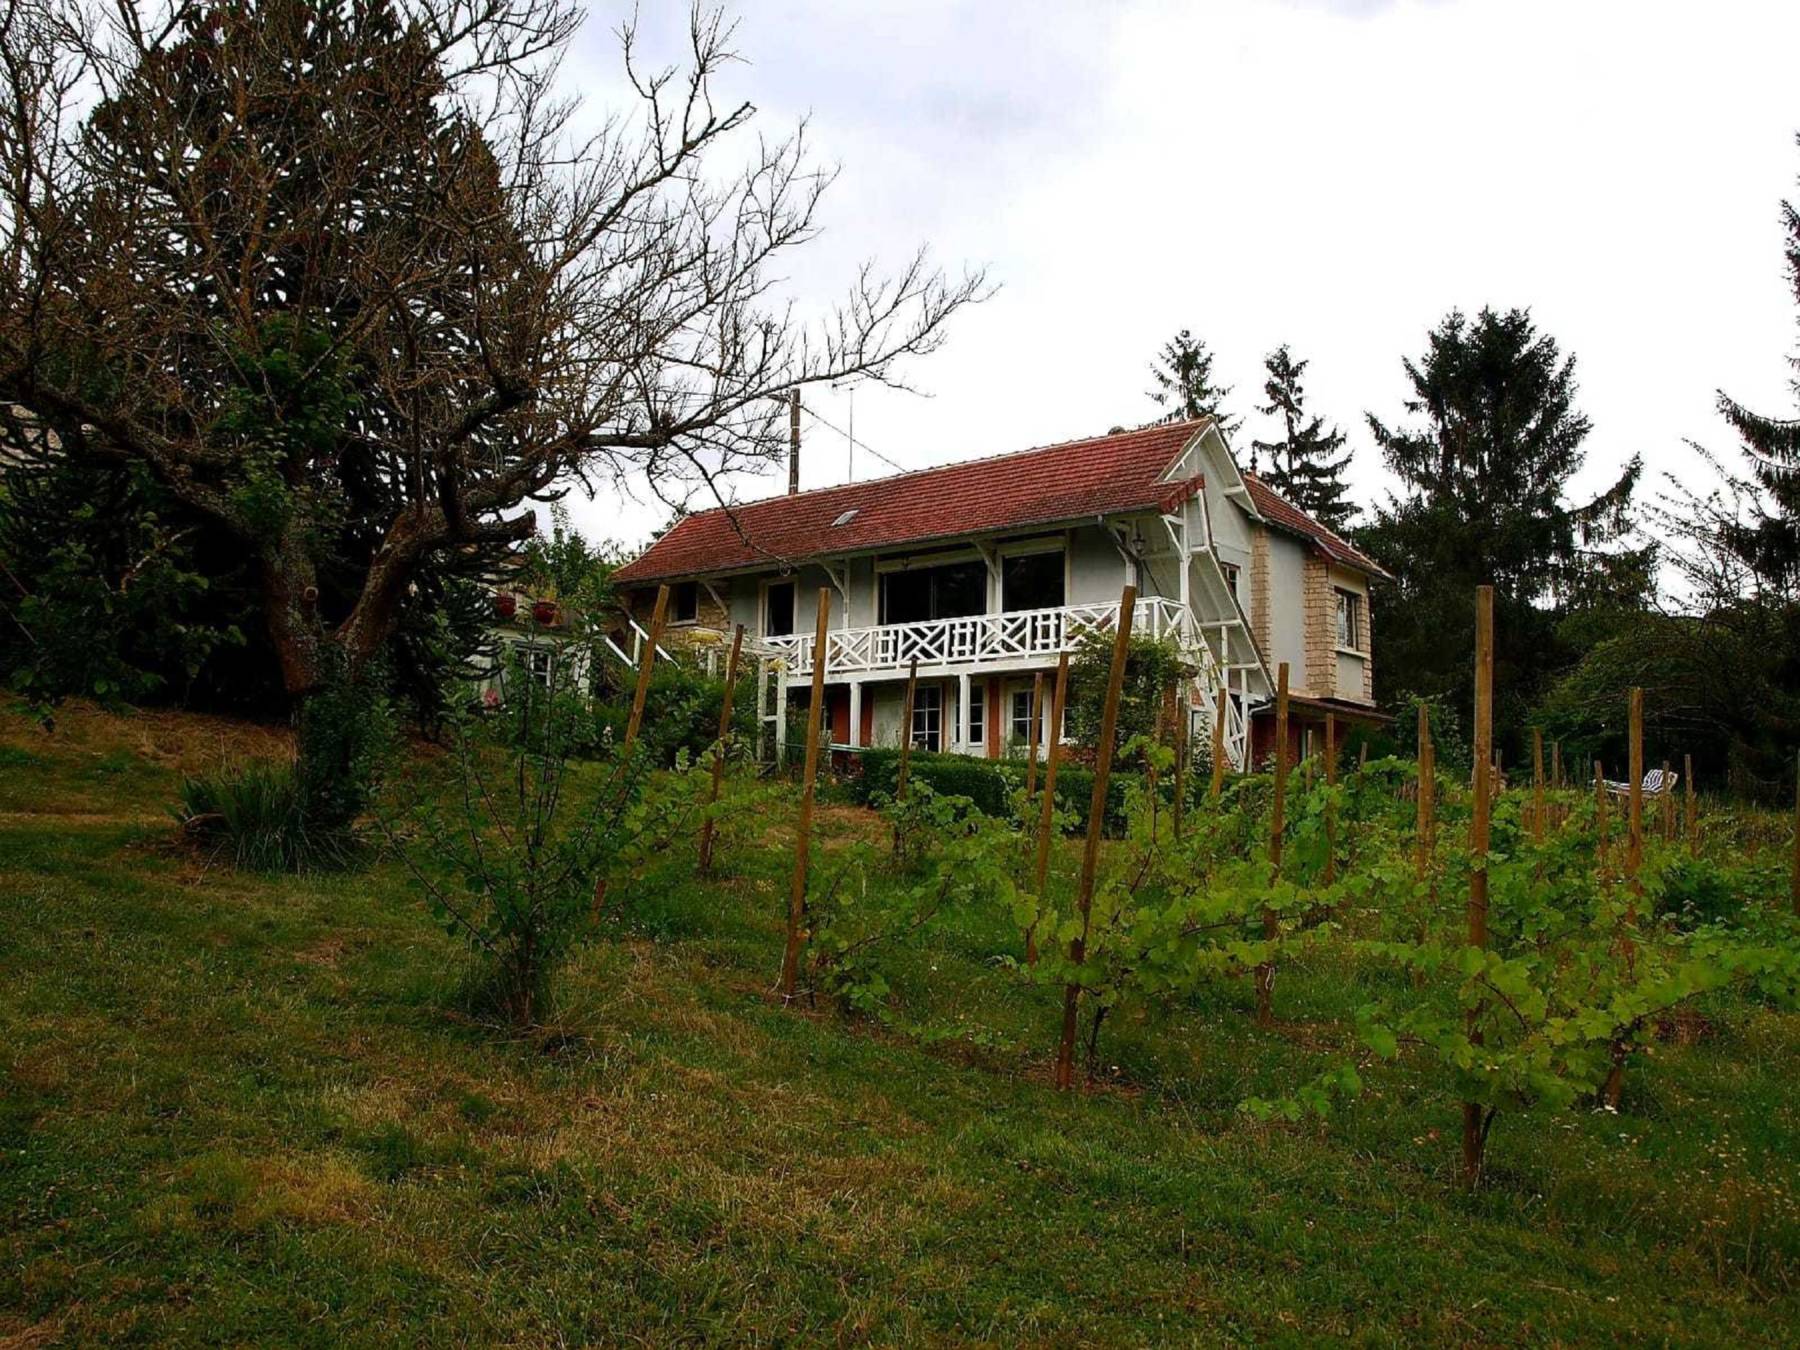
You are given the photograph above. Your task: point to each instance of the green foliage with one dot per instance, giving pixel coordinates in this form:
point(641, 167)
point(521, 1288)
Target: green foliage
point(990, 785)
point(342, 730)
point(1304, 464)
point(961, 863)
point(1183, 374)
point(1485, 475)
point(681, 714)
point(254, 819)
point(509, 838)
point(102, 590)
point(1152, 668)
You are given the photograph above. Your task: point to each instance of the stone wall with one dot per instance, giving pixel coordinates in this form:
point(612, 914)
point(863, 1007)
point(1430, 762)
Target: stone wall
point(1320, 609)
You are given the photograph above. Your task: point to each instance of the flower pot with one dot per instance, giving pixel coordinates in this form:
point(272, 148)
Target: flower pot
point(544, 611)
point(506, 604)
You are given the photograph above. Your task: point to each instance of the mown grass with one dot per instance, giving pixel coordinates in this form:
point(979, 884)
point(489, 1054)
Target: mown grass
point(240, 1108)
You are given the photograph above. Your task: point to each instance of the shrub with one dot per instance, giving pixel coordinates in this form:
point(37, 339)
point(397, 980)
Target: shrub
point(1152, 668)
point(991, 784)
point(254, 818)
point(681, 713)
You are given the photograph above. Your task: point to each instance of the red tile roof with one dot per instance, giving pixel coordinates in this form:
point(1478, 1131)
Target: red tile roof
point(1076, 480)
point(1051, 485)
point(1283, 514)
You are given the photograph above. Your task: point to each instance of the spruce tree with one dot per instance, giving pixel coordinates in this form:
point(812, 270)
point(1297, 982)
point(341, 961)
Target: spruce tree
point(1303, 465)
point(1183, 372)
point(1485, 474)
point(1766, 537)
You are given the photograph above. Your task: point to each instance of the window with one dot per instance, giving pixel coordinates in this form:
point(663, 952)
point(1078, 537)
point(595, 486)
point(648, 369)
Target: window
point(537, 663)
point(977, 713)
point(684, 602)
point(1021, 717)
point(928, 717)
point(778, 609)
point(952, 591)
point(1031, 581)
point(1231, 577)
point(1349, 620)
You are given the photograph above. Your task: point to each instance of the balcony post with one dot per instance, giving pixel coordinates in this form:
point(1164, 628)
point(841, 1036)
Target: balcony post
point(962, 712)
point(856, 691)
point(781, 709)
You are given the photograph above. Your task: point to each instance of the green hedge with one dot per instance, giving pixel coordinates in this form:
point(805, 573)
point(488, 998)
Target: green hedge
point(989, 783)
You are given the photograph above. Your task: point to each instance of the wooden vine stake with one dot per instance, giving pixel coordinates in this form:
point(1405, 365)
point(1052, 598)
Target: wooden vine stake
point(1265, 970)
point(1634, 861)
point(1601, 828)
point(1424, 826)
point(1668, 805)
point(635, 722)
point(1537, 785)
point(1692, 803)
point(1047, 804)
point(906, 740)
point(1218, 746)
point(1330, 806)
point(1090, 857)
point(1475, 1121)
point(796, 924)
point(718, 768)
point(1181, 753)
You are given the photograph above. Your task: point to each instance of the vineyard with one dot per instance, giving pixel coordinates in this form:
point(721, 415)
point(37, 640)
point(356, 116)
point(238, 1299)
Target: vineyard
point(1377, 1050)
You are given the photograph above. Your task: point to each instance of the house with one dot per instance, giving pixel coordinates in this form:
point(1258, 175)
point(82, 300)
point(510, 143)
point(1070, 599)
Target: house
point(984, 571)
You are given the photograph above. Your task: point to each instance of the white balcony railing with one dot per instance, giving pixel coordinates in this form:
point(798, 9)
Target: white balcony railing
point(974, 640)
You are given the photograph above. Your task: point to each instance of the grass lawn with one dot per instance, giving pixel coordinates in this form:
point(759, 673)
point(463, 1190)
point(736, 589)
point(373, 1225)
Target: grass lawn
point(240, 1109)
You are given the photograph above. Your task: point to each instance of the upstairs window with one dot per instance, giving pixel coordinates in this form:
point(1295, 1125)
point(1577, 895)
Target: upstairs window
point(778, 610)
point(1231, 577)
point(1031, 581)
point(684, 602)
point(1349, 620)
point(949, 591)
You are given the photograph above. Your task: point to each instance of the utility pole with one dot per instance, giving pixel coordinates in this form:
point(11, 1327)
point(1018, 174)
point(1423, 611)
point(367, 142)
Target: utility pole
point(793, 402)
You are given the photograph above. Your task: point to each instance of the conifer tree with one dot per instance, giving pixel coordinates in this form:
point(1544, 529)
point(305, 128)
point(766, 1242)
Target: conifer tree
point(1303, 464)
point(1183, 372)
point(1485, 475)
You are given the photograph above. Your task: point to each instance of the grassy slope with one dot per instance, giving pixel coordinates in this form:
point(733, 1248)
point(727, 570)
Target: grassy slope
point(237, 1109)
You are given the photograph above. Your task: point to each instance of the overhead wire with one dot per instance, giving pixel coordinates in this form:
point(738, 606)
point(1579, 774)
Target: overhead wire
point(859, 444)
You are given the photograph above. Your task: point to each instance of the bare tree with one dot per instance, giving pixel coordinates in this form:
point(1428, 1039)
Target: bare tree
point(346, 278)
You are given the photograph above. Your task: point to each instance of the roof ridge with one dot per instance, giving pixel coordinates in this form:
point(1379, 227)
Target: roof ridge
point(955, 464)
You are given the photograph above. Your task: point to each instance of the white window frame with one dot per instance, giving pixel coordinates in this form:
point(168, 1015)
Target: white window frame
point(1348, 607)
point(529, 654)
point(928, 717)
point(1019, 723)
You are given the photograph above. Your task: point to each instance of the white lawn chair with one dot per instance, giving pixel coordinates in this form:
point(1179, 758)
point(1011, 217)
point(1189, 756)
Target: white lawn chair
point(1655, 784)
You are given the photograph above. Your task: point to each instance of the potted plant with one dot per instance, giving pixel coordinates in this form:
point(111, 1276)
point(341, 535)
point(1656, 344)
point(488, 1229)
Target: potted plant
point(506, 604)
point(544, 611)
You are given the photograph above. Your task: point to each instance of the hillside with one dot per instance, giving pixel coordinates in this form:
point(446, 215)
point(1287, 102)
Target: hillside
point(239, 1108)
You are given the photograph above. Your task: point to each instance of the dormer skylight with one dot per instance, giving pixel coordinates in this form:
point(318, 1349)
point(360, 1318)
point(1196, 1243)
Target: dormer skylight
point(846, 518)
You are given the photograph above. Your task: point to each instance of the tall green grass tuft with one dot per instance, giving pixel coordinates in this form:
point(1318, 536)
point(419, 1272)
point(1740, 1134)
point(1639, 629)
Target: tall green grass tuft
point(254, 818)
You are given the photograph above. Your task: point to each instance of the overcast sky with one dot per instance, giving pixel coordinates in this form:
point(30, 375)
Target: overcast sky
point(1334, 174)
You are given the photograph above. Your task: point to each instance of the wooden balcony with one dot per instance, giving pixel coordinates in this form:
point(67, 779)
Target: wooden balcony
point(977, 642)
